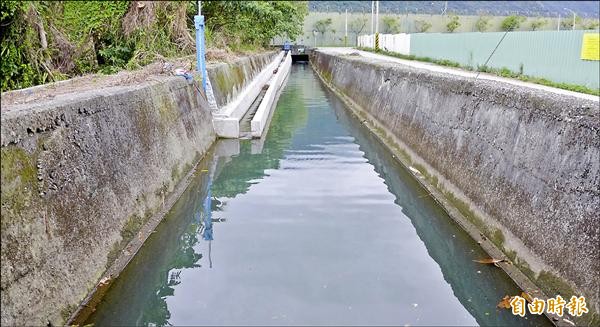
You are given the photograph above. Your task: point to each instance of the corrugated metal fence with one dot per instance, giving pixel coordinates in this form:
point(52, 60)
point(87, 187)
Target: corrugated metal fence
point(554, 55)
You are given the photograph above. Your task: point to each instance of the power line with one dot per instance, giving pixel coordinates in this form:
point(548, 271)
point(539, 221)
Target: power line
point(491, 54)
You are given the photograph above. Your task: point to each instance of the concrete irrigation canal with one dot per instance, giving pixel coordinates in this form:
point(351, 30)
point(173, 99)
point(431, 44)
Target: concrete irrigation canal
point(351, 190)
point(318, 225)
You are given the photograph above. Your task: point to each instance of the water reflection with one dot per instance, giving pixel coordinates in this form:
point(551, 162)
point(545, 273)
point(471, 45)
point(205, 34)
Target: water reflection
point(320, 227)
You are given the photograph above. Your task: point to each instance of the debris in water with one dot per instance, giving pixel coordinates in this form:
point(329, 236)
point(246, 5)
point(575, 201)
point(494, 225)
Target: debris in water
point(491, 261)
point(505, 302)
point(104, 281)
point(414, 170)
point(527, 297)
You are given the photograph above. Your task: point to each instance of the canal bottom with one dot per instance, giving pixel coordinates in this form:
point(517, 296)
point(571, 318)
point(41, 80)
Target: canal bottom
point(316, 224)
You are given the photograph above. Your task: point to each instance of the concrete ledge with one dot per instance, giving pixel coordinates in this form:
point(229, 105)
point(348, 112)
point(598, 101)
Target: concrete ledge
point(237, 108)
point(261, 117)
point(226, 127)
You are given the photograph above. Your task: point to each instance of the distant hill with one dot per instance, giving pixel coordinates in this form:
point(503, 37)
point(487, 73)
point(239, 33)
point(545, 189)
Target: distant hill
point(588, 9)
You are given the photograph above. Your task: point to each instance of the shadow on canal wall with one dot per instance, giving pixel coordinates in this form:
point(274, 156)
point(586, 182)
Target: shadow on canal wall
point(84, 174)
point(521, 165)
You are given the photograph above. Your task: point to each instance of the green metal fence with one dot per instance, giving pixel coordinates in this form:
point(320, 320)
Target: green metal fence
point(554, 55)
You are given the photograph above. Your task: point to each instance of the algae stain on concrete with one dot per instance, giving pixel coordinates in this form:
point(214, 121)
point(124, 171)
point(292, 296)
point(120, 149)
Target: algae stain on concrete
point(19, 180)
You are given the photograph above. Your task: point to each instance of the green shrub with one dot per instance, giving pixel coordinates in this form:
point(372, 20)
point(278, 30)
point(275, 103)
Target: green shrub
point(482, 24)
point(512, 23)
point(422, 26)
point(453, 24)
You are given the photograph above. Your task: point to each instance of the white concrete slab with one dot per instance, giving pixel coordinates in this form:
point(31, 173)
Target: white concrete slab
point(226, 120)
point(268, 104)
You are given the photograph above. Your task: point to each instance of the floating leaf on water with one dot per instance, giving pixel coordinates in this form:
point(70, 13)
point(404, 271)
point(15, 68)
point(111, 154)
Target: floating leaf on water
point(104, 281)
point(527, 297)
point(491, 261)
point(414, 170)
point(505, 302)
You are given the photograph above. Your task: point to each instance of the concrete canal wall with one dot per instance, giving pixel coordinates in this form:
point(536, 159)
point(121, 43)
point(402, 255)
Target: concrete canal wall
point(523, 165)
point(82, 172)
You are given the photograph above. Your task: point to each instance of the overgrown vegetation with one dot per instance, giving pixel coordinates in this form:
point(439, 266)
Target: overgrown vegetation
point(44, 41)
point(503, 72)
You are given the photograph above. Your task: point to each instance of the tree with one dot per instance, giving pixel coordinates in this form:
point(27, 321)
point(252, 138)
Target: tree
point(236, 21)
point(537, 23)
point(453, 24)
point(591, 24)
point(422, 26)
point(357, 25)
point(568, 22)
point(512, 23)
point(482, 23)
point(391, 25)
point(322, 26)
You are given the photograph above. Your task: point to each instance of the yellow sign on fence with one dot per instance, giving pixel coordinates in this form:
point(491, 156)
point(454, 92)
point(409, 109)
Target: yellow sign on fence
point(590, 47)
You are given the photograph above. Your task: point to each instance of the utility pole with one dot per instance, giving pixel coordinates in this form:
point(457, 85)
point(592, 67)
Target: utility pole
point(558, 24)
point(200, 49)
point(372, 14)
point(377, 16)
point(346, 30)
point(377, 25)
point(574, 17)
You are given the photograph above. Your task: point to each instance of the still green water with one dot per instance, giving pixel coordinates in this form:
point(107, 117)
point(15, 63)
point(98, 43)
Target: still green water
point(317, 224)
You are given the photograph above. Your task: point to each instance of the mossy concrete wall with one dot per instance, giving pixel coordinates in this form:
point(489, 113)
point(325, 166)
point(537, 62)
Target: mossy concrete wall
point(229, 79)
point(81, 173)
point(522, 164)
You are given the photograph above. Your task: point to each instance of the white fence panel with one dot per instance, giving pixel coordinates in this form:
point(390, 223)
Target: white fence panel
point(399, 43)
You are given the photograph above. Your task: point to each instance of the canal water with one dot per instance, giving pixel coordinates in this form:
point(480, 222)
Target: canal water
point(317, 224)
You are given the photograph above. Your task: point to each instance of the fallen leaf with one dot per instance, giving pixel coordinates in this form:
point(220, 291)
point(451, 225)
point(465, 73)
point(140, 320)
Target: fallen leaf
point(491, 261)
point(414, 170)
point(569, 322)
point(527, 297)
point(104, 281)
point(505, 302)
